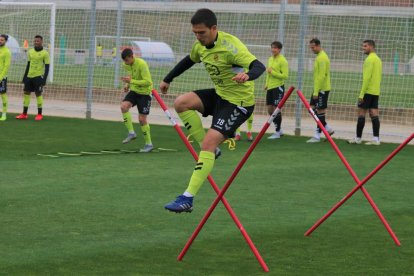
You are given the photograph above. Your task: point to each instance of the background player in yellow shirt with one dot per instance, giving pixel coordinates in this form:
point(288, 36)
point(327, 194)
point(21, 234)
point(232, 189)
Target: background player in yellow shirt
point(35, 76)
point(230, 102)
point(5, 60)
point(321, 87)
point(369, 94)
point(277, 73)
point(138, 84)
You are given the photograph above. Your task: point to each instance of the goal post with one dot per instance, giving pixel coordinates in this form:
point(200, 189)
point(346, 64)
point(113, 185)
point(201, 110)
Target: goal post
point(24, 20)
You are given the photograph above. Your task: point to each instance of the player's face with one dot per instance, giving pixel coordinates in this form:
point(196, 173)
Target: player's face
point(38, 42)
point(315, 48)
point(275, 51)
point(129, 60)
point(2, 41)
point(366, 48)
point(204, 34)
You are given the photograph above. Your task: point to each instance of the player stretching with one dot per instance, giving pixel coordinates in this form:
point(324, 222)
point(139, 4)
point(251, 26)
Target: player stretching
point(277, 73)
point(230, 102)
point(35, 77)
point(138, 84)
point(369, 95)
point(321, 87)
point(5, 59)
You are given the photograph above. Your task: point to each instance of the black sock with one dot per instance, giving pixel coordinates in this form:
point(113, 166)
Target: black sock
point(25, 108)
point(278, 121)
point(39, 110)
point(375, 126)
point(360, 126)
point(321, 117)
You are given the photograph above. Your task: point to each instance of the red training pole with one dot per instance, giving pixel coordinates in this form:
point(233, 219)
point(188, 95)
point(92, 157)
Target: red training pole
point(350, 170)
point(234, 174)
point(213, 184)
point(365, 180)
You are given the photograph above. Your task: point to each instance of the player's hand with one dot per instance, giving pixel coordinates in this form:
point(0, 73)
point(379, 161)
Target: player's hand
point(126, 88)
point(360, 100)
point(164, 87)
point(265, 88)
point(43, 82)
point(269, 70)
point(126, 79)
point(315, 98)
point(241, 78)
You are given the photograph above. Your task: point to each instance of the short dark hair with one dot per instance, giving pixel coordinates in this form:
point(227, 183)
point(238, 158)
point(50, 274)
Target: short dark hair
point(276, 44)
point(127, 53)
point(204, 16)
point(370, 42)
point(39, 36)
point(315, 41)
point(6, 37)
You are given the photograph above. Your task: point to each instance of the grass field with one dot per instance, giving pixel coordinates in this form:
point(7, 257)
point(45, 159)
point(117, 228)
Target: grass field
point(104, 214)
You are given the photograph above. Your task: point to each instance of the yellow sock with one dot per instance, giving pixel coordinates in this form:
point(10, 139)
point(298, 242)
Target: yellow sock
point(250, 123)
point(238, 131)
point(202, 169)
point(147, 134)
point(26, 100)
point(5, 102)
point(39, 101)
point(192, 122)
point(128, 121)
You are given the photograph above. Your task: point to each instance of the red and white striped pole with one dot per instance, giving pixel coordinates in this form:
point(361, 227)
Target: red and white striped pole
point(212, 182)
point(234, 174)
point(350, 170)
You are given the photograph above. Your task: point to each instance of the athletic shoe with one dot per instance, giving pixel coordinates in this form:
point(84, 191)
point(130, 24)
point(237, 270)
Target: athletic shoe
point(22, 117)
point(217, 153)
point(275, 135)
point(373, 143)
point(357, 141)
point(237, 137)
point(313, 140)
point(181, 204)
point(249, 136)
point(39, 117)
point(130, 137)
point(3, 117)
point(147, 148)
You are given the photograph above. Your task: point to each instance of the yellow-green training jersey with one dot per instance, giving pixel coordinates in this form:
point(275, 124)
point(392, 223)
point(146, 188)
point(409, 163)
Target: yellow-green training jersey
point(141, 81)
point(372, 74)
point(280, 71)
point(5, 60)
point(37, 60)
point(228, 57)
point(321, 73)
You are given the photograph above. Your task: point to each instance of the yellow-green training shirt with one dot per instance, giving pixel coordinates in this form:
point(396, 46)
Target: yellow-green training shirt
point(5, 60)
point(37, 59)
point(280, 71)
point(228, 57)
point(141, 81)
point(372, 74)
point(321, 73)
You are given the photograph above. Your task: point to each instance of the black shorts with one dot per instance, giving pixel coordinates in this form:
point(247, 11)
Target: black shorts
point(322, 101)
point(370, 101)
point(227, 117)
point(143, 102)
point(3, 86)
point(275, 95)
point(34, 85)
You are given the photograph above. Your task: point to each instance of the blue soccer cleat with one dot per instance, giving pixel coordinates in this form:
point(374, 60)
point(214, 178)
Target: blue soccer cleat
point(181, 204)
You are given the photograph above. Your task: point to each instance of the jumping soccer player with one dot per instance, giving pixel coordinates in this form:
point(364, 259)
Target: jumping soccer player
point(138, 84)
point(5, 60)
point(369, 95)
point(35, 76)
point(230, 102)
point(321, 87)
point(277, 73)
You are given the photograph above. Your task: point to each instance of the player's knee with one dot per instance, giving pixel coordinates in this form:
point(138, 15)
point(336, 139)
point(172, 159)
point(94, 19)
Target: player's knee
point(125, 107)
point(181, 104)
